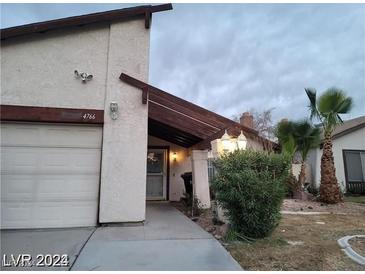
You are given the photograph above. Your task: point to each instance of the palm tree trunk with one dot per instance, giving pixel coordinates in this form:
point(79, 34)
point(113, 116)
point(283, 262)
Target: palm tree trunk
point(301, 179)
point(329, 189)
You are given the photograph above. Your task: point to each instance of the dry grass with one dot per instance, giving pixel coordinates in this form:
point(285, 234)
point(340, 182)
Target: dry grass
point(314, 245)
point(355, 199)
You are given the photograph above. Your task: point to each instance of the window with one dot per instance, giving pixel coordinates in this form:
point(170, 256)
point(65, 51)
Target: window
point(211, 170)
point(355, 170)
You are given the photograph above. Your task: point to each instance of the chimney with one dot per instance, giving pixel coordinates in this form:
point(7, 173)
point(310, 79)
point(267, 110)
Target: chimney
point(247, 120)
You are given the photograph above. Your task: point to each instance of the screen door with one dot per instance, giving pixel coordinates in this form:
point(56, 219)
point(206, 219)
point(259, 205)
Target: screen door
point(156, 174)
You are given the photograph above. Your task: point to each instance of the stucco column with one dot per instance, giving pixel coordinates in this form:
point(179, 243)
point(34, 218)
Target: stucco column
point(199, 160)
point(123, 168)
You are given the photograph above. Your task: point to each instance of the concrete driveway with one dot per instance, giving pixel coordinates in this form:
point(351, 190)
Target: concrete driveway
point(67, 241)
point(167, 241)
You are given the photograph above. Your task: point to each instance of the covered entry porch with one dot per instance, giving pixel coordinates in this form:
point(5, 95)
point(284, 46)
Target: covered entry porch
point(180, 137)
point(166, 162)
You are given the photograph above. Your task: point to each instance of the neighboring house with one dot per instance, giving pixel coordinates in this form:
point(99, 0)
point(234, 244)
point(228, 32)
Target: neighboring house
point(79, 153)
point(349, 156)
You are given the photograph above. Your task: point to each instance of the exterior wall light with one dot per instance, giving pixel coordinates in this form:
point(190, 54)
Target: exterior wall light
point(228, 144)
point(83, 76)
point(241, 141)
point(226, 141)
point(114, 110)
point(174, 156)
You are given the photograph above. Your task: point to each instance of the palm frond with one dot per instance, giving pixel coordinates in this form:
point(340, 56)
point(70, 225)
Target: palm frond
point(311, 93)
point(332, 103)
point(306, 137)
point(284, 132)
point(345, 106)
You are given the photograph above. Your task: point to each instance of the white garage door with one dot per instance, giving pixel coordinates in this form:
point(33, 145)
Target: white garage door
point(49, 175)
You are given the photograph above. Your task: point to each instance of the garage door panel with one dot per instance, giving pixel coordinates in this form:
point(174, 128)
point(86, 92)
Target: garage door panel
point(30, 215)
point(17, 158)
point(44, 186)
point(19, 134)
point(75, 188)
point(16, 187)
point(49, 187)
point(24, 160)
point(49, 135)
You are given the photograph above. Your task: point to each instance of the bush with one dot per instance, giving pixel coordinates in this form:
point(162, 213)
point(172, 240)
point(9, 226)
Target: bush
point(250, 185)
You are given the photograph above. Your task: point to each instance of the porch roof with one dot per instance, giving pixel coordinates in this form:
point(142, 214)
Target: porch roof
point(184, 123)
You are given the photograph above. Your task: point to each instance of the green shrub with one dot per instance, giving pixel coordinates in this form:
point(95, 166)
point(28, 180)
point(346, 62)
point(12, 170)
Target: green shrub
point(250, 185)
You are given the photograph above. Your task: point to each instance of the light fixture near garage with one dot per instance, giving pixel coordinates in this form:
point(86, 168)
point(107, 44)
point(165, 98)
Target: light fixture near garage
point(83, 76)
point(114, 110)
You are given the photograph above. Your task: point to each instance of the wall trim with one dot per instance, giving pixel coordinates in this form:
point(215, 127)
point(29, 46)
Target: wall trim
point(50, 114)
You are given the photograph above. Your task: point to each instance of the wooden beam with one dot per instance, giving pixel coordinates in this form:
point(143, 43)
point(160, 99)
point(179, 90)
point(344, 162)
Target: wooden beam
point(51, 115)
point(144, 95)
point(147, 19)
point(106, 16)
point(171, 134)
point(138, 84)
point(171, 118)
point(187, 108)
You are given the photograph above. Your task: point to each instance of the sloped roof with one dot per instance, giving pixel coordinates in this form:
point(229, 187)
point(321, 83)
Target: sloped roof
point(107, 16)
point(183, 122)
point(349, 126)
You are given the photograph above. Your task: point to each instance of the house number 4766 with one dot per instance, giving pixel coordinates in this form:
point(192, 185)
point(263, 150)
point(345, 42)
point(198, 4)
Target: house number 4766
point(89, 116)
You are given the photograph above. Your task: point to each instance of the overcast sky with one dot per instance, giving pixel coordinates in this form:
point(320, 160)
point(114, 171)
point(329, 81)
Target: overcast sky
point(232, 58)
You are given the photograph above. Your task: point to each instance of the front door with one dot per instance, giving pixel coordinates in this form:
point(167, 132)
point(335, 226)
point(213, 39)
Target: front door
point(156, 174)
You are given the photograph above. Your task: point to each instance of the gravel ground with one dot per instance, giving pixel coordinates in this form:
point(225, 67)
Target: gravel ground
point(314, 206)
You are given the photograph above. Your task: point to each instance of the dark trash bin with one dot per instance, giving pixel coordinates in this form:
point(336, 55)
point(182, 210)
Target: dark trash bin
point(188, 182)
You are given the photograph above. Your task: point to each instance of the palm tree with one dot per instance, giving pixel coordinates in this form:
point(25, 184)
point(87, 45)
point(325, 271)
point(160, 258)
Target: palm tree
point(297, 137)
point(306, 137)
point(327, 110)
point(284, 131)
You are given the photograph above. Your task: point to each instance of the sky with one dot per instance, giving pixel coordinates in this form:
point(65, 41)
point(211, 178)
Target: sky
point(230, 58)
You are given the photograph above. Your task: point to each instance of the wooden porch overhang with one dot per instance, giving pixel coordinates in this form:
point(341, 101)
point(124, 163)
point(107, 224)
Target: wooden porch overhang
point(184, 123)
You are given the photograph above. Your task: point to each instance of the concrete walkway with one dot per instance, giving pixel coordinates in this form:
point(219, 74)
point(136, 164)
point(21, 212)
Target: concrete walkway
point(168, 241)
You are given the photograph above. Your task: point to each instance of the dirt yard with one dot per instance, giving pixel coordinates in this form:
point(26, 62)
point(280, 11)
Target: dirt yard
point(313, 206)
point(300, 242)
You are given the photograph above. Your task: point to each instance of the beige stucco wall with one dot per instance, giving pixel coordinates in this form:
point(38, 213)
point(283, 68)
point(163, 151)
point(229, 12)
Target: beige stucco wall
point(38, 70)
point(200, 177)
point(354, 140)
point(178, 167)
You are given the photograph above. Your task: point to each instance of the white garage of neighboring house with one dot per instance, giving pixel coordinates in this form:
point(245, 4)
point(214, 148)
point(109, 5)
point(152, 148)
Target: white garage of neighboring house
point(349, 157)
point(77, 151)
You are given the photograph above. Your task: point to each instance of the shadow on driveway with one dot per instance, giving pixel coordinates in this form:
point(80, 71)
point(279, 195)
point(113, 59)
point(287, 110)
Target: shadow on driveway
point(167, 241)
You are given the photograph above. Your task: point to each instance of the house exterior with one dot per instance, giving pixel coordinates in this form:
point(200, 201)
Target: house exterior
point(79, 151)
point(349, 156)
